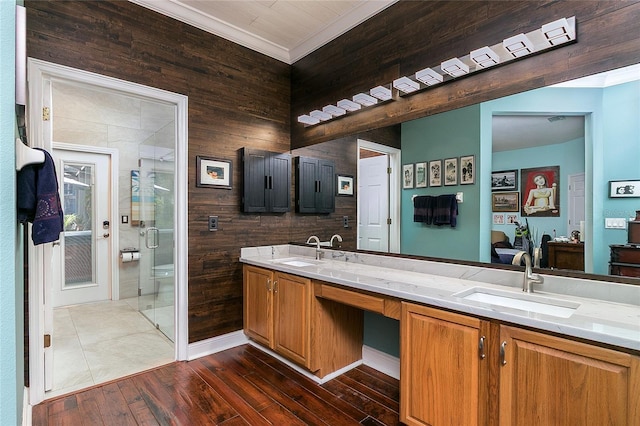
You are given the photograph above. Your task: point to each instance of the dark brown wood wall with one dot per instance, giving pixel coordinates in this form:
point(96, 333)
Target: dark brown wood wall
point(237, 98)
point(412, 35)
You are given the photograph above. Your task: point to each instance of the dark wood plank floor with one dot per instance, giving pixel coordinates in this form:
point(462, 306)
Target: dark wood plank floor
point(239, 386)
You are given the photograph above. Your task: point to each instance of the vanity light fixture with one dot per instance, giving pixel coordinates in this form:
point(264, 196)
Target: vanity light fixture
point(307, 119)
point(334, 110)
point(429, 77)
point(518, 45)
point(406, 85)
point(455, 67)
point(365, 100)
point(348, 105)
point(485, 57)
point(381, 92)
point(558, 32)
point(320, 115)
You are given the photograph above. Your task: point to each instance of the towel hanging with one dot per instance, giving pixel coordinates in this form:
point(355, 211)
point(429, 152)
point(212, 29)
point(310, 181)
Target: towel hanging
point(26, 155)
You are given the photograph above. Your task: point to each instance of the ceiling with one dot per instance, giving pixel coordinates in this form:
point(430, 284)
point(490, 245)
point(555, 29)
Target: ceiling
point(286, 30)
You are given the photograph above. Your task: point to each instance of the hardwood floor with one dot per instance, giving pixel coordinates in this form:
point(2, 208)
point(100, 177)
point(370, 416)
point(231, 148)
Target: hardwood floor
point(239, 386)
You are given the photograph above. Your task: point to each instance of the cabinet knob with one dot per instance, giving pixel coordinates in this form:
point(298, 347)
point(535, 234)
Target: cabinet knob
point(481, 348)
point(503, 353)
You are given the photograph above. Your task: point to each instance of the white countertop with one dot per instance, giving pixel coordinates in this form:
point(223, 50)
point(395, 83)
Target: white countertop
point(607, 312)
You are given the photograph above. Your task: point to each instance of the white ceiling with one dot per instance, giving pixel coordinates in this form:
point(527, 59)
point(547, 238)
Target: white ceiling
point(286, 30)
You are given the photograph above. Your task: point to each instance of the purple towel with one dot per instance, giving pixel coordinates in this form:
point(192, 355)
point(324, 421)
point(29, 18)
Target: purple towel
point(446, 210)
point(39, 200)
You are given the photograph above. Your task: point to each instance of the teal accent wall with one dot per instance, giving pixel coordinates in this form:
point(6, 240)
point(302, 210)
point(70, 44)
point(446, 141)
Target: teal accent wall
point(11, 331)
point(447, 135)
point(569, 156)
point(382, 333)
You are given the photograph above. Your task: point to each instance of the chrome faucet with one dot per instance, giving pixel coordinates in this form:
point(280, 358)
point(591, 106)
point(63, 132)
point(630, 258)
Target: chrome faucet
point(336, 237)
point(529, 277)
point(317, 241)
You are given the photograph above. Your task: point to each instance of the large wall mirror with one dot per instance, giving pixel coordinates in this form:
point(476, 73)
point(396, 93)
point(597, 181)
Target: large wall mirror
point(587, 131)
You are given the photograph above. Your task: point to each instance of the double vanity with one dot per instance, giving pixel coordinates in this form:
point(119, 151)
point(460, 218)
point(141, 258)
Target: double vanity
point(474, 348)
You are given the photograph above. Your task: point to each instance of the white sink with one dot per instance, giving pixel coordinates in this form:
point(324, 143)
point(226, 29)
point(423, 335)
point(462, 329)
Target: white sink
point(298, 262)
point(530, 303)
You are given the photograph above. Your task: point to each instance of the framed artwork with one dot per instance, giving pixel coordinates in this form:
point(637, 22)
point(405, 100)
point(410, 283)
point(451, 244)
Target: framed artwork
point(407, 176)
point(624, 188)
point(467, 170)
point(504, 180)
point(344, 184)
point(498, 219)
point(540, 189)
point(451, 171)
point(435, 173)
point(505, 201)
point(421, 175)
point(213, 172)
point(512, 219)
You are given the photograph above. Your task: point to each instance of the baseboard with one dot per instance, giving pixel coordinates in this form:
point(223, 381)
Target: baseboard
point(27, 410)
point(216, 344)
point(383, 362)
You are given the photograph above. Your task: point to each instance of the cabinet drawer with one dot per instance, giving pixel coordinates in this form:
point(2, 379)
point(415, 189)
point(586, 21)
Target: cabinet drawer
point(386, 306)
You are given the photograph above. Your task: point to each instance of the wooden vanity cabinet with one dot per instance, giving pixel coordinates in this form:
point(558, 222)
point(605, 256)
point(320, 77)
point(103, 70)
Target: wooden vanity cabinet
point(443, 367)
point(548, 380)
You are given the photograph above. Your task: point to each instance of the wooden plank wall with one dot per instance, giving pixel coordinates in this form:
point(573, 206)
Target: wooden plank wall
point(412, 35)
point(237, 98)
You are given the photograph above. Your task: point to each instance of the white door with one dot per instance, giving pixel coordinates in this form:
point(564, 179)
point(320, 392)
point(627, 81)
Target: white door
point(373, 198)
point(576, 202)
point(82, 260)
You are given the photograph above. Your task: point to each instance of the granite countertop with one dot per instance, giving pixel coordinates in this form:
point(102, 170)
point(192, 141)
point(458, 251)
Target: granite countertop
point(604, 312)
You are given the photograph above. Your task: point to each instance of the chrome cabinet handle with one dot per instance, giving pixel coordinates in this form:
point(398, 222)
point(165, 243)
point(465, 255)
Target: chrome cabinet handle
point(503, 353)
point(481, 348)
point(275, 286)
point(268, 284)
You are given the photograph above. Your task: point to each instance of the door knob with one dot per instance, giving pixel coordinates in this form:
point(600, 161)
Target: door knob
point(106, 235)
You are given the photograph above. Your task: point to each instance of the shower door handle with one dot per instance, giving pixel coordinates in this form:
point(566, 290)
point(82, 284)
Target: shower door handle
point(155, 232)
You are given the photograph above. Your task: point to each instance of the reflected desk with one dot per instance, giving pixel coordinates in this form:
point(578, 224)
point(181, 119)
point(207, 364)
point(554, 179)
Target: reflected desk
point(566, 255)
point(625, 260)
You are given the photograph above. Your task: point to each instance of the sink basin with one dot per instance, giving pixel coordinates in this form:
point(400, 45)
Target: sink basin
point(298, 262)
point(520, 301)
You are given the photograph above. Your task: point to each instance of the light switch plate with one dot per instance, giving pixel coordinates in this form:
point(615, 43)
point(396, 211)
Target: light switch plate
point(213, 223)
point(615, 223)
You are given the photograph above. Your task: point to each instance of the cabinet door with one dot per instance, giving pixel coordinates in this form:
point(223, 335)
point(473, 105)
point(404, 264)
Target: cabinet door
point(258, 311)
point(441, 368)
point(280, 183)
point(547, 380)
point(255, 193)
point(292, 301)
point(306, 184)
point(325, 197)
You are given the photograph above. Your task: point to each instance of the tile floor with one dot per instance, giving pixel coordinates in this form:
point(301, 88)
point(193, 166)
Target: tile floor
point(99, 342)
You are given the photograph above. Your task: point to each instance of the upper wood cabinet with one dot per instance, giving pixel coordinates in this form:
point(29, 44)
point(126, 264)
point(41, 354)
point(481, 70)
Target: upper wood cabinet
point(267, 181)
point(315, 185)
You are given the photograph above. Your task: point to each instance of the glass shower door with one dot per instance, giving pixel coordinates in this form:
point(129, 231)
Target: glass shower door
point(155, 208)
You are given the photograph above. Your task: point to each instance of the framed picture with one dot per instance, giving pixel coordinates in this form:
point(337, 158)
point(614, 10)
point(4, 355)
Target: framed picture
point(421, 175)
point(498, 219)
point(540, 191)
point(624, 188)
point(344, 183)
point(512, 219)
point(435, 173)
point(504, 180)
point(505, 201)
point(407, 176)
point(213, 173)
point(467, 170)
point(451, 171)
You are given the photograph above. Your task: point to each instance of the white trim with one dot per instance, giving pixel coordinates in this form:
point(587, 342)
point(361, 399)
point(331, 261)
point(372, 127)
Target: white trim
point(216, 344)
point(394, 189)
point(38, 71)
point(383, 362)
point(27, 409)
point(114, 231)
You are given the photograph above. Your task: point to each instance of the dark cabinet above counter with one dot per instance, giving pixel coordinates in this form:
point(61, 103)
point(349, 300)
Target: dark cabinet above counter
point(315, 185)
point(267, 181)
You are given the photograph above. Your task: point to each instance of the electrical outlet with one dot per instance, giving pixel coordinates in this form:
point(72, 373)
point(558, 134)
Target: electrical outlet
point(345, 221)
point(213, 223)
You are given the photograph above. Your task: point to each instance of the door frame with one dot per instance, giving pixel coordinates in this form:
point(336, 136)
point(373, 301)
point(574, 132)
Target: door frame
point(38, 71)
point(394, 190)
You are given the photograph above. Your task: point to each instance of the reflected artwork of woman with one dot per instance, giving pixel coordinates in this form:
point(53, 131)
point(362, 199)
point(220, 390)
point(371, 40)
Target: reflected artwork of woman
point(540, 196)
